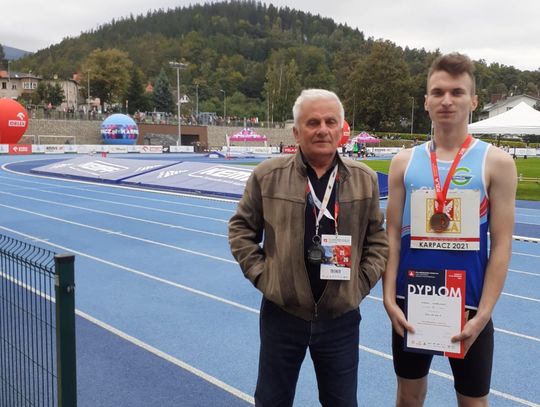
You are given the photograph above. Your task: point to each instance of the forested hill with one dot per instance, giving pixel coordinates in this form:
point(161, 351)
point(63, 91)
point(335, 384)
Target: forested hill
point(260, 56)
point(203, 35)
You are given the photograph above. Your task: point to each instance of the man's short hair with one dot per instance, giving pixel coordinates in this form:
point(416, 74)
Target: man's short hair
point(454, 64)
point(316, 94)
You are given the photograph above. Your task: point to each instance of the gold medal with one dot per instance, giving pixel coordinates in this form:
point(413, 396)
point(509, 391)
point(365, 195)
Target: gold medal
point(439, 222)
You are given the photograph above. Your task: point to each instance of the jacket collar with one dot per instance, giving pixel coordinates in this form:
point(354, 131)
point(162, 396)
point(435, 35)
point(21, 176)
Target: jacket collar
point(301, 167)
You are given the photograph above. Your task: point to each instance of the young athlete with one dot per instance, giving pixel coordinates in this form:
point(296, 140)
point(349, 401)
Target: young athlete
point(426, 184)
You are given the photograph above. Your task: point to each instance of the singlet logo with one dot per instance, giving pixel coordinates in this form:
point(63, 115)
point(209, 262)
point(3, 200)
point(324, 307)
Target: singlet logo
point(462, 176)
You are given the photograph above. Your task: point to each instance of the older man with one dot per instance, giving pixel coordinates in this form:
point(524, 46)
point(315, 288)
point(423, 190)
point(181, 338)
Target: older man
point(324, 249)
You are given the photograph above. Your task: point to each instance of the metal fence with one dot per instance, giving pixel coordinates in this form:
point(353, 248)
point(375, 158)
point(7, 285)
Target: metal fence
point(37, 326)
point(39, 112)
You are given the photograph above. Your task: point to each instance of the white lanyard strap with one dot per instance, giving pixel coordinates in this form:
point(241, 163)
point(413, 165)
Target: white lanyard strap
point(322, 206)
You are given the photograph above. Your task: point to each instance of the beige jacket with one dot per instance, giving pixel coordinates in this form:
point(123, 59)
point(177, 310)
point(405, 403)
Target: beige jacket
point(272, 211)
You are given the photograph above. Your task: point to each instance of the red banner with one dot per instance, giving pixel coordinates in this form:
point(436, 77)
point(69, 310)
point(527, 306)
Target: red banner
point(289, 150)
point(20, 149)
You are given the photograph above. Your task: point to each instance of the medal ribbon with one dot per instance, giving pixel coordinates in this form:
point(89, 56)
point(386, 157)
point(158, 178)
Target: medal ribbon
point(441, 192)
point(321, 206)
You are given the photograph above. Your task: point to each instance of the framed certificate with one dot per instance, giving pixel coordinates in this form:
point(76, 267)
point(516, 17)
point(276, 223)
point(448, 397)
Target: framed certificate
point(462, 228)
point(435, 307)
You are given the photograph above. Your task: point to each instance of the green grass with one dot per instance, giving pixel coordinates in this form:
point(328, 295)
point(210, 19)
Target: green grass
point(528, 168)
point(378, 165)
point(528, 191)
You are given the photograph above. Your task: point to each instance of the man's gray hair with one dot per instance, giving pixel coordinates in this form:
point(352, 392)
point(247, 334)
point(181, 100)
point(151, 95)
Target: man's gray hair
point(316, 94)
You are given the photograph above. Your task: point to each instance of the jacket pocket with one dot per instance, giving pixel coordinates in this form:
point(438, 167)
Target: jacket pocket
point(366, 281)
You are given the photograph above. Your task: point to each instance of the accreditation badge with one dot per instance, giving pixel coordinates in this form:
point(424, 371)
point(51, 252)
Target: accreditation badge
point(461, 227)
point(337, 259)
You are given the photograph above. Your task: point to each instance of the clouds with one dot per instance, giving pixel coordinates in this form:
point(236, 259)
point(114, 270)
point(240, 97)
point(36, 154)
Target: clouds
point(495, 30)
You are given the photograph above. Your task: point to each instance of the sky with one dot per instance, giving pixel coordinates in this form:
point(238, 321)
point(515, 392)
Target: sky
point(505, 32)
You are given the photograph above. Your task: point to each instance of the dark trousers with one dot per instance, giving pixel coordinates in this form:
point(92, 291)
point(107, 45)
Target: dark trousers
point(333, 346)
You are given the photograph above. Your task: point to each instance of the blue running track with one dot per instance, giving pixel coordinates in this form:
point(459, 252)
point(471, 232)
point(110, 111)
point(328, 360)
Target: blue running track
point(165, 317)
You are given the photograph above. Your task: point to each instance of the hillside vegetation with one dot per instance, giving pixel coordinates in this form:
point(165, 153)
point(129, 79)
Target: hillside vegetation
point(252, 59)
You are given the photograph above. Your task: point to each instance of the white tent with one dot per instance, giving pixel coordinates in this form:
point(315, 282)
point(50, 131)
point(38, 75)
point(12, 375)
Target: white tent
point(521, 119)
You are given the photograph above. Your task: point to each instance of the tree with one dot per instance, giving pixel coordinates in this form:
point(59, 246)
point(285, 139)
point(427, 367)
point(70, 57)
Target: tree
point(532, 89)
point(136, 95)
point(313, 67)
point(381, 89)
point(238, 105)
point(41, 94)
point(499, 89)
point(48, 93)
point(56, 94)
point(162, 96)
point(281, 89)
point(109, 72)
point(2, 56)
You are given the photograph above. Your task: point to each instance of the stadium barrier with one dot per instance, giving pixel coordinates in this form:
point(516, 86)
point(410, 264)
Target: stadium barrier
point(37, 326)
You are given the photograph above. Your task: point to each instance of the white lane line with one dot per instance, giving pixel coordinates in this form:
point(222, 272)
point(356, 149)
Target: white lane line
point(523, 209)
point(515, 237)
point(525, 254)
point(125, 187)
point(149, 276)
point(252, 310)
point(168, 225)
point(112, 232)
point(514, 398)
point(197, 372)
point(139, 197)
point(524, 272)
point(522, 336)
point(519, 220)
point(224, 385)
point(447, 376)
point(526, 239)
point(186, 288)
point(139, 207)
point(132, 270)
point(505, 331)
point(27, 287)
point(521, 297)
point(149, 348)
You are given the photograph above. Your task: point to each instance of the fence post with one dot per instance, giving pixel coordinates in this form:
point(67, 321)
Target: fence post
point(65, 330)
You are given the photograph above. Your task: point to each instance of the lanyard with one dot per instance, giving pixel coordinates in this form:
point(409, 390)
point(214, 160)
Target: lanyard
point(441, 193)
point(321, 206)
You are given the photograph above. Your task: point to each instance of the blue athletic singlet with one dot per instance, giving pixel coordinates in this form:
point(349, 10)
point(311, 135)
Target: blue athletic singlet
point(470, 174)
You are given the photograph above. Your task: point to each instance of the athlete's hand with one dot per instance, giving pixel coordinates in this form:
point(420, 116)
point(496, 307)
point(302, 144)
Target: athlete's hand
point(397, 317)
point(470, 332)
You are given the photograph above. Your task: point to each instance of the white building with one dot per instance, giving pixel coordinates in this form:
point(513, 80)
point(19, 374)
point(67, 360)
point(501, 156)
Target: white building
point(504, 105)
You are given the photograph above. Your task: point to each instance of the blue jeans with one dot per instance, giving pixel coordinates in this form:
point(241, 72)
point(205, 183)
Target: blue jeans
point(333, 346)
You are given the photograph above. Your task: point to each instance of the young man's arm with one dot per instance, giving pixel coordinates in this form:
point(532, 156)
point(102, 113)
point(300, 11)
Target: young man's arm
point(502, 182)
point(394, 215)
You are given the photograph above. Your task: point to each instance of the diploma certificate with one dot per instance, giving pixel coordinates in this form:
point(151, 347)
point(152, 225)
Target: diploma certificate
point(435, 307)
